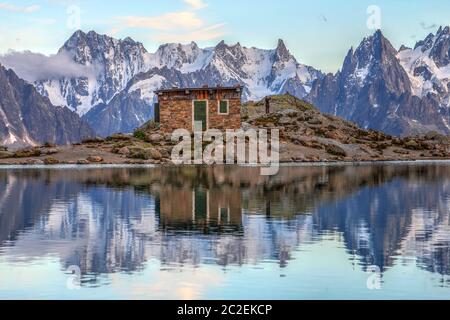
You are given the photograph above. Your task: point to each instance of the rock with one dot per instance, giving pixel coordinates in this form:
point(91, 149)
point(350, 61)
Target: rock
point(155, 154)
point(135, 162)
point(288, 113)
point(314, 122)
point(27, 152)
point(427, 145)
point(6, 154)
point(246, 126)
point(119, 137)
point(168, 137)
point(49, 145)
point(433, 135)
point(50, 151)
point(31, 162)
point(124, 151)
point(82, 161)
point(335, 150)
point(334, 134)
point(285, 120)
point(154, 138)
point(93, 140)
point(164, 153)
point(36, 161)
point(412, 145)
point(145, 154)
point(150, 125)
point(119, 145)
point(298, 159)
point(50, 161)
point(3, 148)
point(94, 159)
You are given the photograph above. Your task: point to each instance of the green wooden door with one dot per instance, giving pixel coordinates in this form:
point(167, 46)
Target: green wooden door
point(200, 113)
point(157, 113)
point(200, 205)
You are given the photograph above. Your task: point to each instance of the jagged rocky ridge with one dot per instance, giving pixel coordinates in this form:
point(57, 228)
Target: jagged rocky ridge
point(120, 69)
point(399, 92)
point(27, 118)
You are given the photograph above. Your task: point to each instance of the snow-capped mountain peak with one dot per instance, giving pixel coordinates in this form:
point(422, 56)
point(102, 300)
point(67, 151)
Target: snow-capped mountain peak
point(113, 63)
point(186, 58)
point(282, 53)
point(428, 65)
point(121, 70)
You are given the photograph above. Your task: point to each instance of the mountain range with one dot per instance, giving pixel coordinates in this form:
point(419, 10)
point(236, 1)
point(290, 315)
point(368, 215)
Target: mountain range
point(400, 92)
point(28, 118)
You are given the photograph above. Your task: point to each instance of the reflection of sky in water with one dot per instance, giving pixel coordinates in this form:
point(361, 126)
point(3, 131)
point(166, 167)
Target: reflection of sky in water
point(309, 233)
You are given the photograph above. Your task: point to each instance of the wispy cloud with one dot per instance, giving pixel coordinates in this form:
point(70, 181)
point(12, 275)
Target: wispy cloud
point(35, 66)
point(14, 8)
point(178, 26)
point(429, 26)
point(168, 21)
point(209, 33)
point(196, 4)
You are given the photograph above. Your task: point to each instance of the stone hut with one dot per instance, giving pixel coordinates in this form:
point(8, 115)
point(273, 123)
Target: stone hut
point(216, 107)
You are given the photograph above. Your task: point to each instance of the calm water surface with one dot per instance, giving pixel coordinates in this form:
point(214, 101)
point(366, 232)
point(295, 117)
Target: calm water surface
point(226, 233)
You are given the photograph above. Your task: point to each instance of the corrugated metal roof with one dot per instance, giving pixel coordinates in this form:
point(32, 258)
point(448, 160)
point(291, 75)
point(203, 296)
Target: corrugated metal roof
point(198, 89)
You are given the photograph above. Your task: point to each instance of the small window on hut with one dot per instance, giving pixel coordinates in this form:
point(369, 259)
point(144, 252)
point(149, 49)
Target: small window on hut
point(223, 107)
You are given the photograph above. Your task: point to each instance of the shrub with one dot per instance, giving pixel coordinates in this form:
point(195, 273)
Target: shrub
point(27, 152)
point(139, 134)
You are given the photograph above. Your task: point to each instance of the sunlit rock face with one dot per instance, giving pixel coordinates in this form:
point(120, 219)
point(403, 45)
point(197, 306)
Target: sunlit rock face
point(399, 92)
point(27, 118)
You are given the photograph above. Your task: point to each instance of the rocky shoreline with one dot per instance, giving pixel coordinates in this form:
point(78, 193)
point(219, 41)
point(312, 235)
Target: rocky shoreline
point(306, 136)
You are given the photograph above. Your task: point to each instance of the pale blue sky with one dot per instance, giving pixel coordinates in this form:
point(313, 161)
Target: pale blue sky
point(318, 33)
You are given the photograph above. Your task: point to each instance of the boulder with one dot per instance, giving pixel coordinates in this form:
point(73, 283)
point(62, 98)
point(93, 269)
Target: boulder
point(433, 135)
point(93, 140)
point(32, 162)
point(246, 126)
point(50, 161)
point(335, 150)
point(314, 122)
point(49, 151)
point(168, 137)
point(124, 151)
point(27, 152)
point(288, 113)
point(285, 120)
point(165, 152)
point(154, 138)
point(6, 154)
point(145, 153)
point(94, 159)
point(154, 154)
point(82, 161)
point(412, 145)
point(49, 145)
point(119, 137)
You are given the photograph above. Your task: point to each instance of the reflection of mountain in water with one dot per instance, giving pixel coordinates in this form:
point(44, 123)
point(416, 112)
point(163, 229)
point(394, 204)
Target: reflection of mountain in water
point(111, 220)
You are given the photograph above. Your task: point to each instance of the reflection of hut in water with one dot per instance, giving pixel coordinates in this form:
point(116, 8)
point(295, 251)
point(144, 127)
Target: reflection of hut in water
point(200, 208)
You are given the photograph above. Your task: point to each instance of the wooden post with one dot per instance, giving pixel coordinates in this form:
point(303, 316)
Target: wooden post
point(267, 105)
